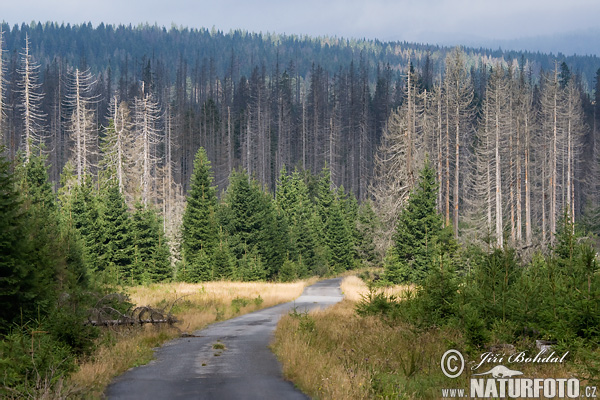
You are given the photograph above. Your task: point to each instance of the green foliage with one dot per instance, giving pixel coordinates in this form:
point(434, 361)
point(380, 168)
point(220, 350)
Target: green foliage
point(293, 201)
point(366, 226)
point(199, 226)
point(30, 357)
point(87, 219)
point(376, 302)
point(418, 232)
point(118, 238)
point(437, 298)
point(223, 262)
point(290, 271)
point(19, 280)
point(339, 238)
point(45, 290)
point(254, 228)
point(500, 299)
point(151, 256)
point(250, 267)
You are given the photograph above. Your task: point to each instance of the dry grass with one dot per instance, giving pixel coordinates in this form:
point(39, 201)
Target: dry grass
point(198, 305)
point(335, 354)
point(354, 288)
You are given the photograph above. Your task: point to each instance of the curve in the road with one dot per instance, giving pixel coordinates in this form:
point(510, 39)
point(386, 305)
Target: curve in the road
point(227, 360)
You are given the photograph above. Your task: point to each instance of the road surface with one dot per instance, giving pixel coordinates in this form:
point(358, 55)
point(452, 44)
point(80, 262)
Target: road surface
point(198, 368)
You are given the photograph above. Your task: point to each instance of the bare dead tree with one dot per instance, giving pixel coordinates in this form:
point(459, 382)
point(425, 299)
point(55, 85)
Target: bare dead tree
point(146, 121)
point(30, 104)
point(117, 140)
point(80, 100)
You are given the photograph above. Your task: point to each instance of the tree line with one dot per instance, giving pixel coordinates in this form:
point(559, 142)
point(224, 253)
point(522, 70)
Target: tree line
point(252, 101)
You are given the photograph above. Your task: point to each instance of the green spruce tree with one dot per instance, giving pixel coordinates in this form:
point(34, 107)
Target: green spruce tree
point(417, 237)
point(151, 256)
point(339, 238)
point(22, 285)
point(199, 227)
point(118, 239)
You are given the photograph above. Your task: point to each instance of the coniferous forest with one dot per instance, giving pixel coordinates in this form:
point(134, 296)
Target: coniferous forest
point(133, 155)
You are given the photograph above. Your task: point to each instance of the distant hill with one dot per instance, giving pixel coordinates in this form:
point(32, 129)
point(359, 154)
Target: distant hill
point(104, 45)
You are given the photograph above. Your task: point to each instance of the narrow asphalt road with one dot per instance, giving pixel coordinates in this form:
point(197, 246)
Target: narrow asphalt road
point(192, 368)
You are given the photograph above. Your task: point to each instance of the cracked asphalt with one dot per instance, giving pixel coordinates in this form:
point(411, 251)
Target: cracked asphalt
point(227, 360)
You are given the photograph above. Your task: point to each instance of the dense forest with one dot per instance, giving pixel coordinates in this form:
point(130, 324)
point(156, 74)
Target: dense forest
point(145, 99)
point(138, 155)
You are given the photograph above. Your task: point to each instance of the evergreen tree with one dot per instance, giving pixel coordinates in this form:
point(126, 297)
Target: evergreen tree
point(273, 244)
point(223, 263)
point(199, 228)
point(285, 195)
point(151, 256)
point(250, 267)
point(200, 270)
point(88, 221)
point(250, 219)
point(324, 196)
point(20, 281)
point(303, 225)
point(75, 254)
point(242, 213)
point(293, 202)
point(366, 226)
point(339, 238)
point(118, 241)
point(417, 232)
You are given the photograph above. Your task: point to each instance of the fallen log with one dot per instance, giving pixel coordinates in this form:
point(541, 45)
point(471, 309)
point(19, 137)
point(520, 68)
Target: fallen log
point(116, 322)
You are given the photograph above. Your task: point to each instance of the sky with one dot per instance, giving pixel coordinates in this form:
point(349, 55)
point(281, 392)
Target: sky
point(430, 21)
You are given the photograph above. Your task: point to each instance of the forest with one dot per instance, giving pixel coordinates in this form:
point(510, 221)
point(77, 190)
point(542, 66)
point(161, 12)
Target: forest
point(133, 155)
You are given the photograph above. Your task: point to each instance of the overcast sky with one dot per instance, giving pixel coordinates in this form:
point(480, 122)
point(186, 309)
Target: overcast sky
point(410, 20)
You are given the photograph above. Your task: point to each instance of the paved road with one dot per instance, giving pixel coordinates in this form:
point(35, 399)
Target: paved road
point(189, 368)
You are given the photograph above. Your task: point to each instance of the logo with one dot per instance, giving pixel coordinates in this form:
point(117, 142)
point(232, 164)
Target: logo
point(508, 383)
point(500, 371)
point(450, 359)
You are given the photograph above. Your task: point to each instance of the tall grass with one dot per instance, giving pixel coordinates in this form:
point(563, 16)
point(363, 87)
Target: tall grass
point(337, 354)
point(194, 305)
point(355, 288)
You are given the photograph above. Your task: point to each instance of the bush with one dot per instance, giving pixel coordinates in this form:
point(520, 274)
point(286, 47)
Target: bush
point(377, 303)
point(31, 358)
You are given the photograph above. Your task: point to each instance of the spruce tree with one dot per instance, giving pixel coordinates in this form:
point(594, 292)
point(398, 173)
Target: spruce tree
point(339, 238)
point(151, 255)
point(366, 226)
point(88, 221)
point(199, 228)
point(223, 262)
point(46, 252)
point(294, 204)
point(249, 217)
point(416, 241)
point(19, 280)
point(303, 226)
point(324, 197)
point(118, 240)
point(241, 214)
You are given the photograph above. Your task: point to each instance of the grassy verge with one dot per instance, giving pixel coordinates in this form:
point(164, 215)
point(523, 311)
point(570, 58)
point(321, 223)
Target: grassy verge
point(336, 354)
point(199, 305)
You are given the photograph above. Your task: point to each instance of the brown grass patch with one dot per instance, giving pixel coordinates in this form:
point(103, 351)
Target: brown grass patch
point(345, 356)
point(354, 288)
point(199, 305)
